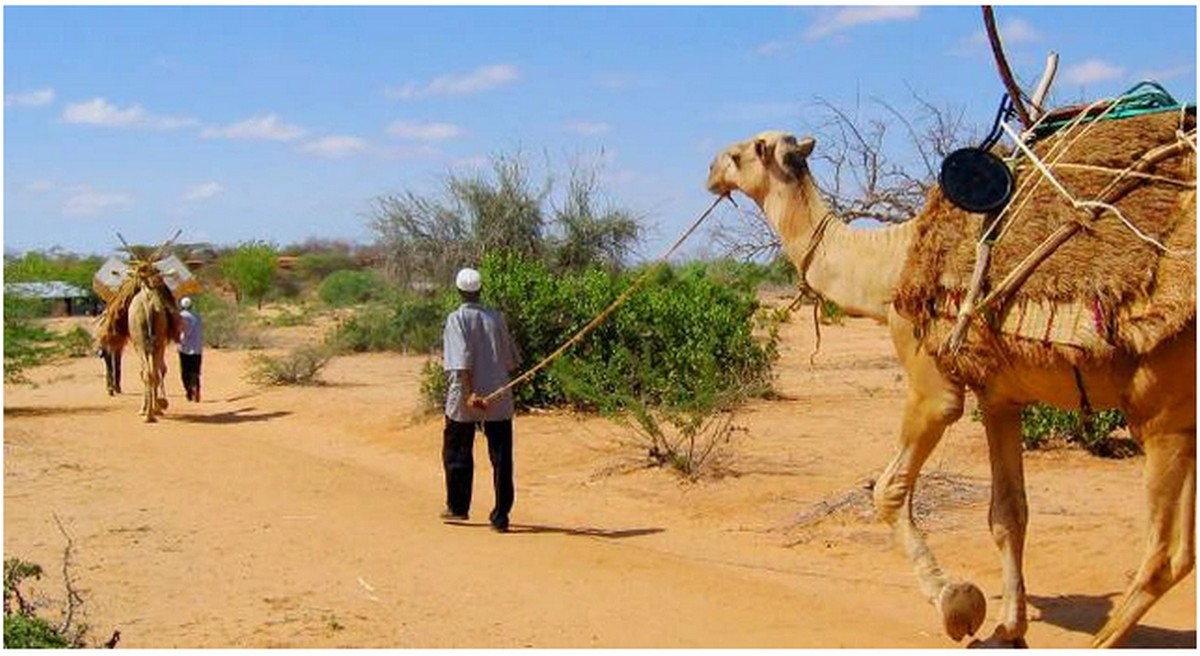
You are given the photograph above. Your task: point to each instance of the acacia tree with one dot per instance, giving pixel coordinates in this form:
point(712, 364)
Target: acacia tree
point(590, 235)
point(427, 238)
point(250, 269)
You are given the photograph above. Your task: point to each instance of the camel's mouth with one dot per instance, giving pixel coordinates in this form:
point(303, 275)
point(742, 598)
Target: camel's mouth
point(717, 183)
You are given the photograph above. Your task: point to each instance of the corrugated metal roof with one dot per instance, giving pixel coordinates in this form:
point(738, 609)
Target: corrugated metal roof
point(44, 289)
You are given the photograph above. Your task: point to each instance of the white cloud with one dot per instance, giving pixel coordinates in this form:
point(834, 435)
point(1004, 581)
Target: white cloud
point(1092, 70)
point(1013, 31)
point(39, 186)
point(587, 128)
point(266, 127)
point(1166, 74)
point(335, 146)
point(424, 131)
point(773, 48)
point(37, 98)
point(202, 192)
point(620, 81)
point(99, 111)
point(830, 22)
point(479, 80)
point(85, 201)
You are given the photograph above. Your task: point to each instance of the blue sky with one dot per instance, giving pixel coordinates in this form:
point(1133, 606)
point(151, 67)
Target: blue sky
point(283, 122)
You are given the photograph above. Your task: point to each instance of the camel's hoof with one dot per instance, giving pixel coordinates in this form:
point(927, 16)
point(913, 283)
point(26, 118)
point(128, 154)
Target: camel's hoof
point(963, 609)
point(998, 643)
point(162, 404)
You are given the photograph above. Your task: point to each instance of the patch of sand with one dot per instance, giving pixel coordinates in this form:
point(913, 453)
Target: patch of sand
point(307, 517)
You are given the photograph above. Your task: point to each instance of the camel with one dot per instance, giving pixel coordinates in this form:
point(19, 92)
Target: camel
point(149, 332)
point(860, 270)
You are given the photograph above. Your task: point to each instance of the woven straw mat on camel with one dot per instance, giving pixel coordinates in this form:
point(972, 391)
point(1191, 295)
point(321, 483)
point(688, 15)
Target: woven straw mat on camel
point(1104, 291)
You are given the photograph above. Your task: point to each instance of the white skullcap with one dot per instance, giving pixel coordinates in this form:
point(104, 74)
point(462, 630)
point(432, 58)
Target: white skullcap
point(468, 280)
point(186, 302)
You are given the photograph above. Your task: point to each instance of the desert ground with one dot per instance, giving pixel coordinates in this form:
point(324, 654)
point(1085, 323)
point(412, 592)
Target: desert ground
point(307, 517)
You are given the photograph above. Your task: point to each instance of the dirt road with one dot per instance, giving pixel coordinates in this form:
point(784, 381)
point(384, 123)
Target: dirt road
point(307, 517)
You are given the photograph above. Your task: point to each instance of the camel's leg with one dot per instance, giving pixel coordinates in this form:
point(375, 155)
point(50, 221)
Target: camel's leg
point(116, 370)
point(1170, 474)
point(161, 402)
point(109, 372)
point(1162, 410)
point(1008, 514)
point(934, 402)
point(149, 389)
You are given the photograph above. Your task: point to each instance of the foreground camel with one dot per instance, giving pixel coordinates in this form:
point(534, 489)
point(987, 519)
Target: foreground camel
point(149, 332)
point(860, 270)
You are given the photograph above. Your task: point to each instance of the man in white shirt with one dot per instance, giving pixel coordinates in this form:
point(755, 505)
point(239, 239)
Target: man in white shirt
point(191, 346)
point(478, 354)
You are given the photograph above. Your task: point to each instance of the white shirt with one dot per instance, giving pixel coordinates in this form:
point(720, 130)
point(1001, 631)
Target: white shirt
point(476, 339)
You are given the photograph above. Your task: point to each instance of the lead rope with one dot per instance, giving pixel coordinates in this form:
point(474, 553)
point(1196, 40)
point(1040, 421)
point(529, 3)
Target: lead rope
point(609, 310)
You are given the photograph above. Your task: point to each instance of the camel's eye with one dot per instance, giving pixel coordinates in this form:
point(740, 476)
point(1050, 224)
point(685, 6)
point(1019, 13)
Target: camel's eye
point(737, 159)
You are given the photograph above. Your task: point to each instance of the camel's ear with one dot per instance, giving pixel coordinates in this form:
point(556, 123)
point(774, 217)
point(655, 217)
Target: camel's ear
point(764, 150)
point(805, 146)
point(793, 158)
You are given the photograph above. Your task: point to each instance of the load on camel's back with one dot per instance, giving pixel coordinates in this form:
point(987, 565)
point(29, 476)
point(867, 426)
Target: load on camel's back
point(1089, 300)
point(141, 309)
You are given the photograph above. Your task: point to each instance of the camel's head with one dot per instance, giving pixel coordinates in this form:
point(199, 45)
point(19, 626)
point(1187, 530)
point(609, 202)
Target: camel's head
point(754, 165)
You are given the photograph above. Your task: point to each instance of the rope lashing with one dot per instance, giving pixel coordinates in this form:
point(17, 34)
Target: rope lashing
point(621, 298)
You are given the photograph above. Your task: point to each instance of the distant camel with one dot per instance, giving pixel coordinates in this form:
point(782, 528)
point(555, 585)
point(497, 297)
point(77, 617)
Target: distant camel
point(149, 331)
point(862, 270)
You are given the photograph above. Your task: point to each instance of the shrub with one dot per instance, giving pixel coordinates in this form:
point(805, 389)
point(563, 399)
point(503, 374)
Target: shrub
point(23, 629)
point(346, 287)
point(300, 366)
point(226, 325)
point(1041, 423)
point(76, 343)
point(405, 324)
point(26, 344)
point(286, 317)
point(680, 341)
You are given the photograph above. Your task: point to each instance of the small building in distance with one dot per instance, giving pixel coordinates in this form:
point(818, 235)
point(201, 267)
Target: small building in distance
point(65, 299)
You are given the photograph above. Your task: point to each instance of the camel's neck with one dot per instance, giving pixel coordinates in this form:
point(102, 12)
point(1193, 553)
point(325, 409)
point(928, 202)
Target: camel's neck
point(857, 269)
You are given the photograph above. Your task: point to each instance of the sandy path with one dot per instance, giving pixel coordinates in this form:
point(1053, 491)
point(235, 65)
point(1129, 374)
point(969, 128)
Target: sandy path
point(306, 517)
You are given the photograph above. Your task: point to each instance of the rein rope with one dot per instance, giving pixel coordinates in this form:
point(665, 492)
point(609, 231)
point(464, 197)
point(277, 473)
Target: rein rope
point(806, 291)
point(621, 298)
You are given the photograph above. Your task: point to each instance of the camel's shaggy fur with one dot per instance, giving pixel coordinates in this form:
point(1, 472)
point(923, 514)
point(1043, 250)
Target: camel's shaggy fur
point(1144, 365)
point(1103, 290)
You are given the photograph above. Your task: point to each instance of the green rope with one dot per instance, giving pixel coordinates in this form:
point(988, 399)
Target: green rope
point(1145, 97)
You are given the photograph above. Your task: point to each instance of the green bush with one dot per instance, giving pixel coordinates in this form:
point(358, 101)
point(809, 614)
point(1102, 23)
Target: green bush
point(300, 366)
point(23, 629)
point(225, 324)
point(405, 324)
point(680, 341)
point(26, 343)
point(344, 288)
point(76, 343)
point(1041, 423)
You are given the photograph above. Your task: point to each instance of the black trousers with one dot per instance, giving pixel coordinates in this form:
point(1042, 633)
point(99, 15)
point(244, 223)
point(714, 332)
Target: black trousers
point(189, 371)
point(458, 442)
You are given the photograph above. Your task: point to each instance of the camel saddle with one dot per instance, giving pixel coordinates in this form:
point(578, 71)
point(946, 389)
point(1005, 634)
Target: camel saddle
point(1102, 291)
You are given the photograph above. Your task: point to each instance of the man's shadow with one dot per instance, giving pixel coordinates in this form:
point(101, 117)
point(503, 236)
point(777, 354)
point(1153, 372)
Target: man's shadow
point(586, 531)
point(239, 416)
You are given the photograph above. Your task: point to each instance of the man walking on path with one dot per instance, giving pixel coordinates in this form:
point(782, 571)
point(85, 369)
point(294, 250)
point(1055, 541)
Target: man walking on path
point(191, 344)
point(479, 354)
